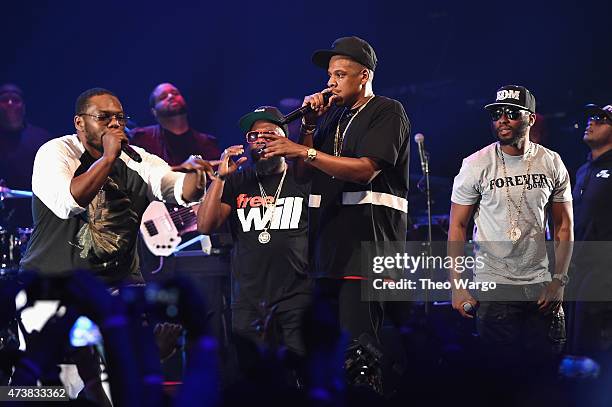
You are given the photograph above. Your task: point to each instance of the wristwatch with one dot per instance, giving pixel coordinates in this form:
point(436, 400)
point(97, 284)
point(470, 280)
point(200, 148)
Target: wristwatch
point(563, 278)
point(311, 154)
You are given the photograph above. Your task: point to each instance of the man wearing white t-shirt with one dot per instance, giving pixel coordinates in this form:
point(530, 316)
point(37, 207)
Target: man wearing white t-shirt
point(89, 195)
point(508, 187)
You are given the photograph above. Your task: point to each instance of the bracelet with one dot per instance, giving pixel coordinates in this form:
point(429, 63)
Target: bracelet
point(308, 128)
point(219, 176)
point(304, 121)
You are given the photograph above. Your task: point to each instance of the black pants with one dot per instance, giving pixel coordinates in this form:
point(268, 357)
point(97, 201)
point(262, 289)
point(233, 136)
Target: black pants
point(510, 323)
point(355, 316)
point(592, 314)
point(286, 327)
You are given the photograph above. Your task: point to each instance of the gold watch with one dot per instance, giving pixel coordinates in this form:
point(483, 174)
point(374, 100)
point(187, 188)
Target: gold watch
point(311, 154)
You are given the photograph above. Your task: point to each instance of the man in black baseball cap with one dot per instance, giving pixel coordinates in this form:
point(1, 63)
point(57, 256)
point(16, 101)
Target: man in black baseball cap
point(255, 140)
point(508, 188)
point(267, 211)
point(591, 261)
point(355, 149)
point(512, 115)
point(598, 133)
point(599, 113)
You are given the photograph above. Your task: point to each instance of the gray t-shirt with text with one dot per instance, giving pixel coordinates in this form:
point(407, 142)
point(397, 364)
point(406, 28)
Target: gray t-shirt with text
point(481, 181)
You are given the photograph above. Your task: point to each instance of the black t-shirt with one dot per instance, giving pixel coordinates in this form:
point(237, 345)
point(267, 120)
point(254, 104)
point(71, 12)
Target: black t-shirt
point(347, 213)
point(591, 199)
point(592, 221)
point(274, 272)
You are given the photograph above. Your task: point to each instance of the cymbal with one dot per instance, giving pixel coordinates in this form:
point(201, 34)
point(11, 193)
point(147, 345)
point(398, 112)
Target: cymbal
point(7, 193)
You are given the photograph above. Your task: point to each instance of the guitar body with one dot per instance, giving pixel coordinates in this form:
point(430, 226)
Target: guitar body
point(162, 226)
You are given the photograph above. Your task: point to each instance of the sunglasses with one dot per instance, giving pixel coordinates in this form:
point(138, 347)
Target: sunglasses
point(511, 113)
point(599, 119)
point(106, 118)
point(253, 136)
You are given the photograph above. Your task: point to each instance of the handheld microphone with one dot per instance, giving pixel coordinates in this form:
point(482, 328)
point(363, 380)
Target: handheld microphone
point(299, 113)
point(419, 139)
point(468, 308)
point(125, 147)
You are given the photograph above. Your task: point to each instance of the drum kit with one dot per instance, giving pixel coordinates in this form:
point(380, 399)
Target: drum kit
point(13, 241)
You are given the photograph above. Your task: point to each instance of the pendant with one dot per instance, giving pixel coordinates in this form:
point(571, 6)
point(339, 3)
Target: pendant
point(514, 233)
point(264, 237)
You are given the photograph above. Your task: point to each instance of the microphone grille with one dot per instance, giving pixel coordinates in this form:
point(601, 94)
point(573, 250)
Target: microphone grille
point(419, 138)
point(467, 307)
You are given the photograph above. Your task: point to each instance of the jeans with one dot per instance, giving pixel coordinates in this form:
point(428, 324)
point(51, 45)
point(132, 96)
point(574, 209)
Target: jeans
point(509, 321)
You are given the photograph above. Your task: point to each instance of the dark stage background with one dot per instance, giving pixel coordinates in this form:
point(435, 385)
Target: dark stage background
point(442, 59)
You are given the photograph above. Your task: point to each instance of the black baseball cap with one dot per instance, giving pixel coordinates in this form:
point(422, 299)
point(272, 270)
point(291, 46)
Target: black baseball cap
point(268, 113)
point(605, 111)
point(514, 95)
point(353, 47)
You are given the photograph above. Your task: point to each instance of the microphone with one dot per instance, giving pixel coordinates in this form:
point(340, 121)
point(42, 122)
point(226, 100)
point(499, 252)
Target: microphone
point(419, 138)
point(125, 147)
point(467, 307)
point(299, 113)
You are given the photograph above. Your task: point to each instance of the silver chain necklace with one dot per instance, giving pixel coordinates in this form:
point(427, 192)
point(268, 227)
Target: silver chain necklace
point(339, 138)
point(514, 232)
point(264, 237)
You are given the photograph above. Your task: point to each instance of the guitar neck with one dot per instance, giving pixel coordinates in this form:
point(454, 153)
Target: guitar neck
point(184, 218)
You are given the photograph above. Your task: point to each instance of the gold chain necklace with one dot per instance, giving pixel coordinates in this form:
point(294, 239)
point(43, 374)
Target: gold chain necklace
point(264, 237)
point(339, 138)
point(514, 232)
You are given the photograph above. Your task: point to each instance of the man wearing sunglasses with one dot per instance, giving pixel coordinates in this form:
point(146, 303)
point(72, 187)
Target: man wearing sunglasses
point(508, 186)
point(591, 263)
point(267, 210)
point(89, 196)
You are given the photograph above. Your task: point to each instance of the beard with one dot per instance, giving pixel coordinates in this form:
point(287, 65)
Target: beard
point(93, 139)
point(11, 120)
point(517, 135)
point(179, 110)
point(266, 166)
point(269, 166)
